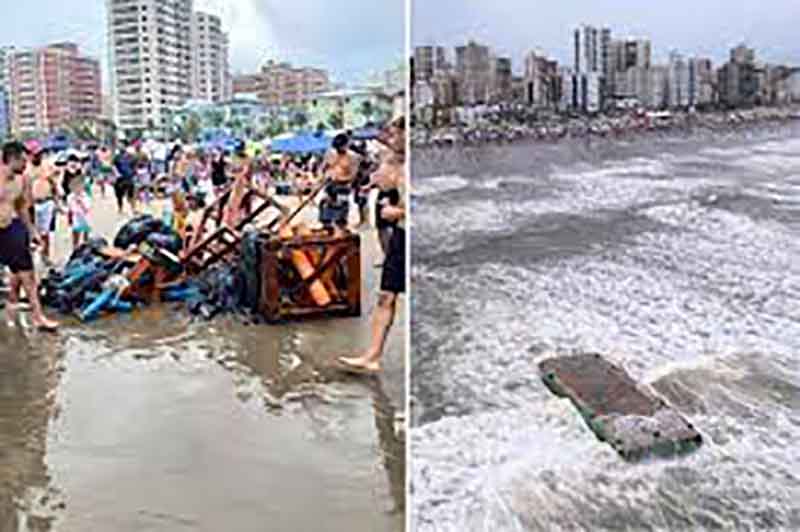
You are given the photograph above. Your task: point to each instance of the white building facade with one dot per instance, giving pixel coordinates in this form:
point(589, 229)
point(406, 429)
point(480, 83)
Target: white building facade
point(151, 60)
point(211, 78)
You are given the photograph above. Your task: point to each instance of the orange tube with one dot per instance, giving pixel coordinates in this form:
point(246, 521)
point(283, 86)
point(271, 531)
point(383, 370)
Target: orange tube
point(306, 269)
point(317, 289)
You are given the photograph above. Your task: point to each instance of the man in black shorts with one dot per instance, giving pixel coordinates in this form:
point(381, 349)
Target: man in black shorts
point(124, 168)
point(390, 174)
point(16, 234)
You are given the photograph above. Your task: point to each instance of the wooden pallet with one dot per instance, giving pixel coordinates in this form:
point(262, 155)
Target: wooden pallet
point(223, 242)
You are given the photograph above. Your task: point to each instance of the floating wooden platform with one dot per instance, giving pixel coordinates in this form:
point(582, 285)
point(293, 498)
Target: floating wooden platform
point(630, 418)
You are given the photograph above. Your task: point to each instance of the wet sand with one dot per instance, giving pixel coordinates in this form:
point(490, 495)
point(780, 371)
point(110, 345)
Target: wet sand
point(153, 422)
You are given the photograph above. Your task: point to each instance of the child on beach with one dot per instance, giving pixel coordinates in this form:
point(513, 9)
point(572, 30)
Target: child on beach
point(106, 173)
point(79, 207)
point(143, 182)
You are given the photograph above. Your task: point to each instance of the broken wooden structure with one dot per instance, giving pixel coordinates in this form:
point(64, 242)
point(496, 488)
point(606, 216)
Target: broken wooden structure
point(629, 417)
point(299, 271)
point(329, 283)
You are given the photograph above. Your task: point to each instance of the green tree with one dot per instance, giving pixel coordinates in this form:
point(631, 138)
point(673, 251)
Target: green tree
point(191, 129)
point(300, 119)
point(216, 118)
point(367, 110)
point(336, 120)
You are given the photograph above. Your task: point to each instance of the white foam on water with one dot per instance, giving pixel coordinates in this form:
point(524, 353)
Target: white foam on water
point(681, 305)
point(431, 186)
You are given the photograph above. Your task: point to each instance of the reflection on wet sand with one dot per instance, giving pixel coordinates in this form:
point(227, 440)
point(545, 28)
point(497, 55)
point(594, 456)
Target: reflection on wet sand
point(27, 404)
point(168, 424)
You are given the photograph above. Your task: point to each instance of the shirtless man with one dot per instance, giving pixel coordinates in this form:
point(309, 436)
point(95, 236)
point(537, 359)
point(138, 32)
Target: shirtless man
point(390, 175)
point(44, 191)
point(239, 204)
point(340, 167)
point(16, 234)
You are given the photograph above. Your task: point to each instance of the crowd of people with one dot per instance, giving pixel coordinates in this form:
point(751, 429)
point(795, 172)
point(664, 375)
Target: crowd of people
point(37, 189)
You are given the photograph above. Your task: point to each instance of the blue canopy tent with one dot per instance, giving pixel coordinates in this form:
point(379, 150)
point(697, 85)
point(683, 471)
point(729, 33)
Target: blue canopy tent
point(302, 143)
point(56, 143)
point(366, 133)
point(222, 143)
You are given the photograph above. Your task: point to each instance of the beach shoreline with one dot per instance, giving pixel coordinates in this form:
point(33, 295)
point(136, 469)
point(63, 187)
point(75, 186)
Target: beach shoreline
point(504, 132)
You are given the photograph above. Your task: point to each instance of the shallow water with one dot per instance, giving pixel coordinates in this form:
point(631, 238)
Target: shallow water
point(678, 258)
point(151, 422)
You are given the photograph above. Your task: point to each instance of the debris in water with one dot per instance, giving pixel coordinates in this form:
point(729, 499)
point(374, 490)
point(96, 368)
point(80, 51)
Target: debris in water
point(631, 419)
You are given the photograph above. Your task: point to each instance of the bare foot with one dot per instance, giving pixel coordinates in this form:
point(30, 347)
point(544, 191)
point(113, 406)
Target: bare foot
point(11, 314)
point(359, 365)
point(44, 324)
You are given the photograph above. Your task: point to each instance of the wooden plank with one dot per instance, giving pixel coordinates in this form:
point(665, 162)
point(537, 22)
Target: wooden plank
point(270, 287)
point(631, 418)
point(354, 279)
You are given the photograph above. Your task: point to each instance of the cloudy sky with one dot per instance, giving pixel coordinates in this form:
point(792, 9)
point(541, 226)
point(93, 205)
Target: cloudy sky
point(707, 27)
point(350, 37)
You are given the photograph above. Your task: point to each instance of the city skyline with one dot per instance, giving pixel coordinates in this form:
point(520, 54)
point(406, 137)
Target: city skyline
point(713, 29)
point(302, 33)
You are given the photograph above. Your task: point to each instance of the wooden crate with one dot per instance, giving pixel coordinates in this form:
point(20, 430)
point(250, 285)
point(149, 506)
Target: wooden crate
point(285, 295)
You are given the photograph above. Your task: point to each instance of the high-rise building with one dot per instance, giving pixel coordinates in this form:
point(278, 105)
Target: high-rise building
point(428, 60)
point(701, 82)
point(541, 80)
point(590, 92)
point(211, 81)
point(281, 84)
point(52, 86)
point(592, 50)
point(593, 53)
point(151, 60)
point(5, 89)
point(4, 118)
point(657, 90)
point(568, 94)
point(473, 68)
point(501, 79)
point(679, 93)
point(738, 78)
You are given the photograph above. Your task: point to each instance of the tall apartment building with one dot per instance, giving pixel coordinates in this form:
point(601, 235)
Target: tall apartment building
point(473, 68)
point(701, 82)
point(5, 89)
point(211, 81)
point(281, 84)
point(52, 86)
point(151, 60)
point(541, 80)
point(630, 52)
point(679, 94)
point(428, 60)
point(593, 55)
point(657, 94)
point(625, 54)
point(738, 79)
point(568, 95)
point(4, 116)
point(500, 79)
point(592, 50)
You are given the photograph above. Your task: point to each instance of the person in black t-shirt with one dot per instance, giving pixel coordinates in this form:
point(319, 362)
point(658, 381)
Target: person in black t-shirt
point(219, 179)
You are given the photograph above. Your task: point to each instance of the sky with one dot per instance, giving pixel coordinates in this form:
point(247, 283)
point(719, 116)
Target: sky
point(352, 38)
point(694, 27)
